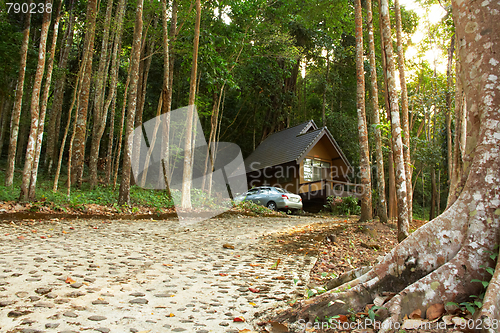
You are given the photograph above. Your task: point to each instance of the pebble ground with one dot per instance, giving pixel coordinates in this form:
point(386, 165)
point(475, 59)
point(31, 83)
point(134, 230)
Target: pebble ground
point(144, 276)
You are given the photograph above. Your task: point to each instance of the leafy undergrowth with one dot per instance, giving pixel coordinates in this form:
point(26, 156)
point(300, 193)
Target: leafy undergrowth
point(250, 208)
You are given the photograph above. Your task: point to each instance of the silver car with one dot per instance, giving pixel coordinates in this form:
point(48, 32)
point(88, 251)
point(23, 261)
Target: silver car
point(274, 198)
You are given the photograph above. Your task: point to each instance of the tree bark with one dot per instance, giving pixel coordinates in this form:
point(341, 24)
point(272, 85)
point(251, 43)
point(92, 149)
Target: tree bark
point(54, 113)
point(364, 163)
point(404, 111)
point(35, 108)
point(18, 102)
point(438, 263)
point(401, 192)
point(382, 209)
point(122, 125)
point(449, 83)
point(188, 156)
point(100, 117)
point(111, 98)
point(323, 107)
point(45, 98)
point(81, 125)
point(124, 193)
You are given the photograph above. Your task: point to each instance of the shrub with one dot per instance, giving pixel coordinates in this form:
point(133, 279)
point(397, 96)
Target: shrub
point(343, 206)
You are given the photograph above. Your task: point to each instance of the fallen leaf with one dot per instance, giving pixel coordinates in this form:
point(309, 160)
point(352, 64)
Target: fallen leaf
point(239, 319)
point(69, 280)
point(255, 265)
point(342, 318)
point(64, 232)
point(279, 328)
point(448, 319)
point(228, 246)
point(171, 315)
point(246, 330)
point(434, 311)
point(416, 314)
point(222, 274)
point(20, 237)
point(254, 290)
point(252, 304)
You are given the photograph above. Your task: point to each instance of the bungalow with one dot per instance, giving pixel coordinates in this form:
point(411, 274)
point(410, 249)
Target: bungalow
point(303, 159)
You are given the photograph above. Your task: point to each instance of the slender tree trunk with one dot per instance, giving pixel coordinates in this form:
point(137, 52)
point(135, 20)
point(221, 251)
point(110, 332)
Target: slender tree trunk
point(100, 87)
point(449, 83)
point(402, 198)
point(35, 108)
point(382, 209)
point(43, 110)
point(54, 114)
point(111, 98)
point(323, 107)
point(404, 111)
point(122, 125)
point(4, 123)
point(432, 213)
point(366, 198)
point(18, 101)
point(124, 193)
point(171, 61)
point(81, 125)
point(188, 167)
point(168, 71)
point(142, 89)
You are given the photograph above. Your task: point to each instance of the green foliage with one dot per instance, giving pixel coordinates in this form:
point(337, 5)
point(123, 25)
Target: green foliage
point(249, 206)
point(343, 206)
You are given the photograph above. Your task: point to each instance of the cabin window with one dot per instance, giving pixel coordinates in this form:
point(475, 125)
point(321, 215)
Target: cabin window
point(313, 169)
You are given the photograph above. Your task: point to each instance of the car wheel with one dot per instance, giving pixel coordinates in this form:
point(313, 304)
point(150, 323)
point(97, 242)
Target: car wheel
point(272, 205)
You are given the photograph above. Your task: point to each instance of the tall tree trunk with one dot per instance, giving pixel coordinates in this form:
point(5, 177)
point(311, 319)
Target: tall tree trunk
point(171, 62)
point(99, 121)
point(449, 83)
point(122, 125)
point(43, 110)
point(54, 114)
point(18, 101)
point(404, 111)
point(323, 107)
point(364, 163)
point(4, 123)
point(402, 198)
point(81, 125)
point(382, 209)
point(188, 167)
point(124, 193)
point(432, 213)
point(392, 209)
point(111, 98)
point(35, 108)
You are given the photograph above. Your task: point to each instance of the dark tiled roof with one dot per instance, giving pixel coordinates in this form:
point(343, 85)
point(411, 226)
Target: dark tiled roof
point(286, 146)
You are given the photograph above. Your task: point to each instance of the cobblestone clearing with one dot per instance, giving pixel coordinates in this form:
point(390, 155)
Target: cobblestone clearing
point(144, 276)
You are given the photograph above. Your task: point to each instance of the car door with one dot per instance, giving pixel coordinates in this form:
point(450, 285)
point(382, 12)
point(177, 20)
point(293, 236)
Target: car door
point(262, 197)
point(252, 195)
